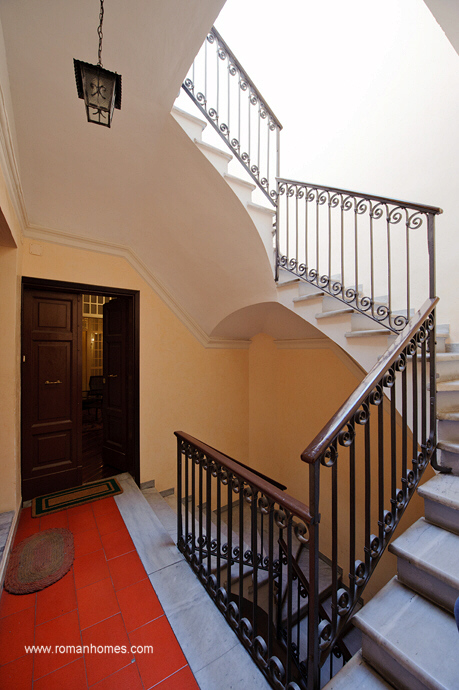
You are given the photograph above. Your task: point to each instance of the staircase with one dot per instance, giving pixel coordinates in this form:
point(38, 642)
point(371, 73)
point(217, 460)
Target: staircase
point(368, 459)
point(357, 334)
point(410, 638)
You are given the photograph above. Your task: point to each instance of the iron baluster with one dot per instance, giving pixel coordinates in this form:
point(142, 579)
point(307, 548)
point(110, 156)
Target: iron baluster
point(408, 276)
point(254, 547)
point(368, 539)
point(352, 558)
point(219, 526)
point(372, 272)
point(241, 549)
point(342, 277)
point(393, 447)
point(317, 238)
point(356, 256)
point(289, 599)
point(200, 507)
point(186, 499)
point(381, 511)
point(229, 561)
point(270, 579)
point(334, 549)
point(193, 505)
point(179, 494)
point(424, 389)
point(414, 368)
point(313, 611)
point(208, 540)
point(329, 237)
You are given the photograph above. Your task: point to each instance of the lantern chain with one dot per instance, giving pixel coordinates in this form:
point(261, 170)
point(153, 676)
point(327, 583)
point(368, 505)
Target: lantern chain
point(99, 31)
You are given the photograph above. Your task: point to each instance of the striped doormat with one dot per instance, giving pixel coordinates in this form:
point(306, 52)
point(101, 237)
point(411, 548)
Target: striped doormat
point(68, 498)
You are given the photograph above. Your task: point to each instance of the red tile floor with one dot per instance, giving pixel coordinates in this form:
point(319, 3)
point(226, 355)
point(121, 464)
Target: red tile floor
point(105, 599)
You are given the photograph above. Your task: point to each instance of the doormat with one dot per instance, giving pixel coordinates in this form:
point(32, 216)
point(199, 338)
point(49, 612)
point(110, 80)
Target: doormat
point(39, 561)
point(68, 498)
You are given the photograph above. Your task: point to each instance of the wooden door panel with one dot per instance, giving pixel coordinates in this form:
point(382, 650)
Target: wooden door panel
point(53, 315)
point(115, 408)
point(53, 450)
point(51, 392)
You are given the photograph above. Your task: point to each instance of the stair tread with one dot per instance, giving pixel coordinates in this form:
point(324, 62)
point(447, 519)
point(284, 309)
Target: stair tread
point(213, 149)
point(335, 312)
point(359, 675)
point(443, 488)
point(450, 446)
point(450, 385)
point(432, 549)
point(391, 620)
point(448, 415)
point(311, 295)
point(263, 209)
point(448, 356)
point(287, 282)
point(370, 332)
point(239, 181)
point(188, 116)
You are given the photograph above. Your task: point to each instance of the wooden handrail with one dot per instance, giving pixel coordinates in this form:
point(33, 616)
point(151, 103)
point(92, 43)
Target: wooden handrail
point(274, 482)
point(266, 487)
point(324, 438)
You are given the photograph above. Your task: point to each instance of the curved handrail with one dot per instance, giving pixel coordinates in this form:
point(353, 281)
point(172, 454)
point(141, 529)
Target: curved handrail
point(253, 478)
point(323, 439)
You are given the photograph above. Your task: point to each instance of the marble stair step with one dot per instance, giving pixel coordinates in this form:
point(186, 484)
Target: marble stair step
point(384, 332)
point(447, 386)
point(441, 501)
point(358, 675)
point(191, 124)
point(334, 312)
point(407, 639)
point(219, 159)
point(428, 562)
point(448, 415)
point(307, 297)
point(448, 364)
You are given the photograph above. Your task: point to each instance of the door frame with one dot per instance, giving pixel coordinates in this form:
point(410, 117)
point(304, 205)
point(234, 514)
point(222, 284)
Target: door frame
point(133, 336)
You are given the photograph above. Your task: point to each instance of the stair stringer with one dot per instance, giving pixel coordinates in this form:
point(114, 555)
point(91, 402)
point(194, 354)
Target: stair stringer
point(326, 313)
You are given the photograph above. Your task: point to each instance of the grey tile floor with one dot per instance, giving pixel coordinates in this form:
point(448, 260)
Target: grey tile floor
point(210, 646)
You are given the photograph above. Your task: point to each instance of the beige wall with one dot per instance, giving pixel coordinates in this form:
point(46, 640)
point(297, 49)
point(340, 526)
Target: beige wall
point(10, 291)
point(183, 386)
point(293, 393)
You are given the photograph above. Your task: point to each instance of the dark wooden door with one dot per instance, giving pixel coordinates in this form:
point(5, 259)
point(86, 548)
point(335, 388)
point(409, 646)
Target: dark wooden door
point(115, 402)
point(51, 392)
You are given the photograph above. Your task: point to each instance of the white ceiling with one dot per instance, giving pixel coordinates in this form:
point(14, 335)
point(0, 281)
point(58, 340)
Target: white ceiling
point(142, 183)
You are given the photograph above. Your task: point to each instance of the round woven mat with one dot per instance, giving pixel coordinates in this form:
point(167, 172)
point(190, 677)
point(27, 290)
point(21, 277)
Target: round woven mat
point(39, 561)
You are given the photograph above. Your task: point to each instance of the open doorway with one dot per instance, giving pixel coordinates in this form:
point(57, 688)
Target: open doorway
point(94, 464)
point(80, 384)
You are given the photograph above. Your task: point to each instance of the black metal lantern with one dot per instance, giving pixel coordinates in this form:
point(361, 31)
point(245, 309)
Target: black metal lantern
point(100, 88)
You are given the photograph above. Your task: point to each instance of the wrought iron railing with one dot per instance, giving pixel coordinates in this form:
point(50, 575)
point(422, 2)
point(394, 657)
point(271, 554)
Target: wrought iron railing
point(256, 549)
point(373, 253)
point(224, 93)
point(364, 466)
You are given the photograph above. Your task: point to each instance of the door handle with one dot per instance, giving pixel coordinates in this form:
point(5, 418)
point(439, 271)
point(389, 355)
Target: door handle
point(113, 376)
point(50, 383)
